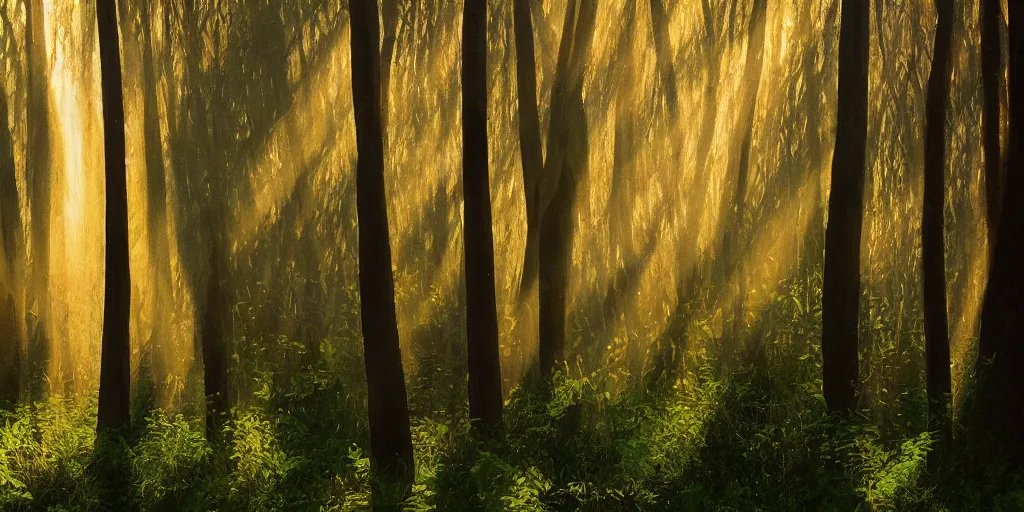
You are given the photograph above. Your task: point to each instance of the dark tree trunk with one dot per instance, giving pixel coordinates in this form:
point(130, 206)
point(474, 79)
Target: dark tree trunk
point(213, 333)
point(1002, 323)
point(38, 175)
point(115, 372)
point(10, 237)
point(478, 240)
point(530, 146)
point(936, 326)
point(662, 46)
point(390, 439)
point(991, 78)
point(841, 285)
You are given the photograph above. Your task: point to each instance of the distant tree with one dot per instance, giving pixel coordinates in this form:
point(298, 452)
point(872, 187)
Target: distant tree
point(936, 326)
point(115, 374)
point(991, 13)
point(1002, 322)
point(390, 439)
point(478, 240)
point(10, 238)
point(733, 250)
point(38, 161)
point(659, 22)
point(841, 284)
point(530, 146)
point(156, 177)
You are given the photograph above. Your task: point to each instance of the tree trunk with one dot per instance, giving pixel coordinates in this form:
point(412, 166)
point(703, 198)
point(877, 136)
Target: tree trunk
point(733, 250)
point(662, 46)
point(936, 326)
point(213, 333)
point(115, 372)
point(568, 153)
point(390, 439)
point(10, 237)
point(156, 185)
point(991, 77)
point(1001, 384)
point(478, 239)
point(38, 175)
point(530, 146)
point(841, 284)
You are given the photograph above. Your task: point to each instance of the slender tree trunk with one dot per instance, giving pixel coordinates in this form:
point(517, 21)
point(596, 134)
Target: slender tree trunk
point(1001, 383)
point(734, 250)
point(156, 184)
point(841, 286)
point(389, 14)
point(38, 174)
point(936, 326)
point(390, 439)
point(564, 168)
point(662, 46)
point(530, 146)
point(478, 239)
point(115, 372)
point(991, 77)
point(10, 237)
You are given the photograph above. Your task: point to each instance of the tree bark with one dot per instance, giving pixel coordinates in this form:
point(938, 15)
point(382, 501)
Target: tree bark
point(1001, 383)
point(568, 153)
point(841, 283)
point(936, 325)
point(391, 453)
point(115, 372)
point(10, 237)
point(478, 239)
point(38, 174)
point(530, 146)
point(156, 183)
point(991, 13)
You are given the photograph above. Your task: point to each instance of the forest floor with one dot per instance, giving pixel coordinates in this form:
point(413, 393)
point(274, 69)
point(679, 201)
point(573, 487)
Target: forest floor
point(756, 437)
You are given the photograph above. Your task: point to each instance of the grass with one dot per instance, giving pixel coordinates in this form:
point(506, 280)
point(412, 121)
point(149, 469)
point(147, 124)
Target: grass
point(755, 437)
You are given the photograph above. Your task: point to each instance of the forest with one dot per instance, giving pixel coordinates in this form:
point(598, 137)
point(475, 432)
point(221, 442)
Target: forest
point(524, 255)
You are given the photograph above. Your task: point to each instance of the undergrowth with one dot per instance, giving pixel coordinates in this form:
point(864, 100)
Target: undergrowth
point(756, 437)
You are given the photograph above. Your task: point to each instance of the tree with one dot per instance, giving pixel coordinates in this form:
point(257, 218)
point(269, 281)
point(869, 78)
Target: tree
point(841, 282)
point(1001, 384)
point(936, 327)
point(659, 23)
point(38, 175)
point(478, 240)
point(991, 13)
point(549, 237)
point(530, 146)
point(156, 177)
point(10, 241)
point(115, 374)
point(732, 249)
point(390, 438)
